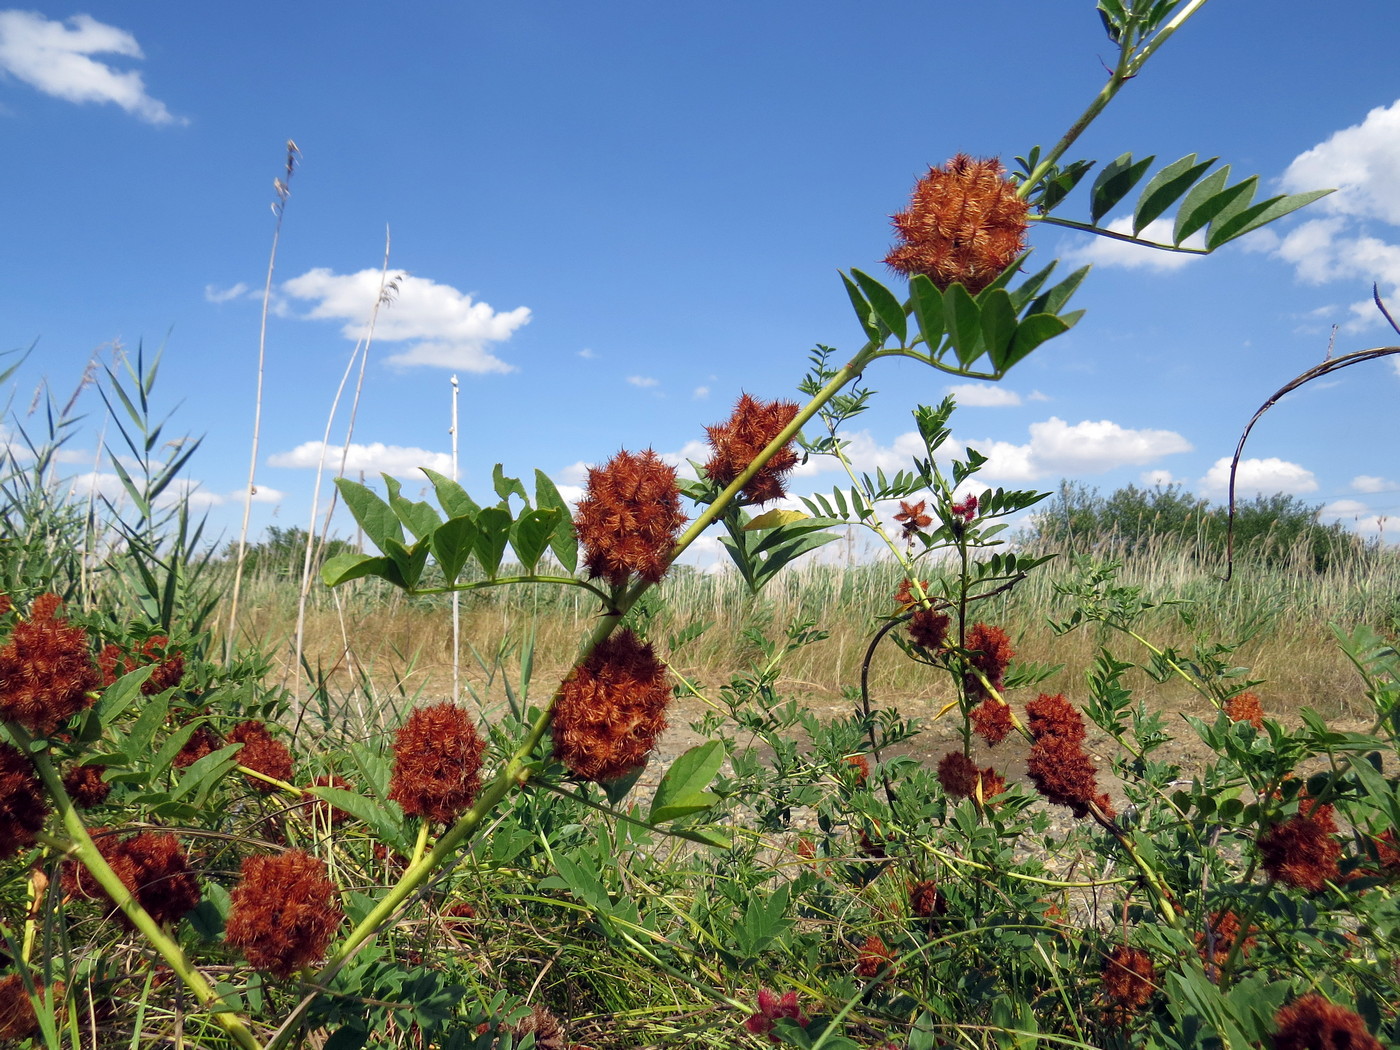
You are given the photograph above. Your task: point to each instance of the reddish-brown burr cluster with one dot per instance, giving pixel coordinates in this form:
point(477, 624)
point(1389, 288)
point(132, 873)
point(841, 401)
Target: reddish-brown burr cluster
point(925, 900)
point(964, 225)
point(1245, 707)
point(611, 709)
point(991, 720)
point(874, 958)
point(1303, 851)
point(1311, 1022)
point(201, 742)
point(738, 441)
point(152, 867)
point(629, 517)
point(1058, 765)
point(85, 786)
point(114, 662)
point(17, 1018)
point(261, 753)
point(961, 778)
point(773, 1007)
point(283, 913)
point(23, 805)
point(861, 765)
point(46, 670)
point(1128, 981)
point(990, 652)
point(1215, 942)
point(437, 763)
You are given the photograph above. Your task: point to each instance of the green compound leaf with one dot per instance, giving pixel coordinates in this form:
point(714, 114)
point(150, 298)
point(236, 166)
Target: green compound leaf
point(865, 313)
point(1256, 215)
point(531, 534)
point(927, 302)
point(451, 496)
point(998, 322)
point(964, 322)
point(453, 543)
point(1114, 183)
point(1187, 222)
point(1166, 187)
point(563, 542)
point(493, 533)
point(346, 567)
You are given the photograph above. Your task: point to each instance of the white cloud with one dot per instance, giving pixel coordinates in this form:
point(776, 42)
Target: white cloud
point(1036, 395)
point(699, 451)
point(574, 473)
point(700, 393)
point(1106, 251)
point(442, 327)
point(1158, 478)
point(983, 395)
point(643, 381)
point(587, 354)
point(1363, 521)
point(1371, 483)
point(1258, 476)
point(1361, 162)
point(214, 294)
point(55, 59)
point(375, 458)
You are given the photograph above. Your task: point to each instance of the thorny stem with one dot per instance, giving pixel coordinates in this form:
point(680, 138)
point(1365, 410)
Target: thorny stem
point(85, 851)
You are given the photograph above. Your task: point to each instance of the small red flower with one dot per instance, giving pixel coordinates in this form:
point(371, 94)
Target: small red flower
point(875, 958)
point(738, 442)
point(965, 509)
point(23, 804)
point(284, 912)
point(771, 1008)
point(904, 594)
point(46, 670)
point(1312, 1023)
point(437, 763)
point(261, 753)
point(611, 709)
point(912, 518)
point(965, 225)
point(629, 518)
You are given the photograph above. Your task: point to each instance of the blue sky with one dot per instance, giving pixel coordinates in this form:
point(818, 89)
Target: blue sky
point(613, 218)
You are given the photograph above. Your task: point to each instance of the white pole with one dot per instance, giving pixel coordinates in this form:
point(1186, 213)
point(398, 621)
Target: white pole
point(456, 595)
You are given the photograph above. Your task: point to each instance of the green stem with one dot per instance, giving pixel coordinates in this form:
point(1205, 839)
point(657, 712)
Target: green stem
point(85, 851)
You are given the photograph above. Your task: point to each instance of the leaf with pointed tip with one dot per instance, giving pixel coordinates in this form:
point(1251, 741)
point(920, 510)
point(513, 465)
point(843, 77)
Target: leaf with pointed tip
point(865, 314)
point(1257, 215)
point(998, 322)
point(884, 303)
point(1030, 333)
point(375, 516)
point(964, 324)
point(453, 543)
point(493, 533)
point(1203, 191)
point(1053, 300)
point(420, 518)
point(451, 496)
point(506, 487)
point(563, 542)
point(346, 567)
point(927, 302)
point(1164, 188)
point(410, 560)
point(530, 535)
point(682, 790)
point(773, 518)
point(1114, 182)
point(1229, 203)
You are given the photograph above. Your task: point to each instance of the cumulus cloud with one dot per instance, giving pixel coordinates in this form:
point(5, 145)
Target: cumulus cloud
point(1159, 478)
point(439, 325)
point(56, 58)
point(1360, 162)
point(1372, 483)
point(644, 382)
point(700, 393)
point(1263, 477)
point(1363, 520)
point(1106, 251)
point(983, 395)
point(375, 458)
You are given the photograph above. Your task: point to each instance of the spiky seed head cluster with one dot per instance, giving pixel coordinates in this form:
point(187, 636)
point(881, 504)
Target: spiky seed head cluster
point(1310, 1022)
point(17, 1018)
point(1057, 764)
point(964, 225)
point(1245, 707)
point(1128, 981)
point(437, 763)
point(990, 652)
point(874, 958)
point(738, 441)
point(23, 805)
point(152, 867)
point(961, 778)
point(114, 662)
point(203, 741)
point(283, 913)
point(1303, 850)
point(1216, 941)
point(46, 670)
point(85, 786)
point(925, 899)
point(629, 517)
point(611, 709)
point(262, 753)
point(991, 720)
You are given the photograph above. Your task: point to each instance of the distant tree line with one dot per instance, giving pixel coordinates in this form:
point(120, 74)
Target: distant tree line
point(1273, 529)
point(282, 552)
